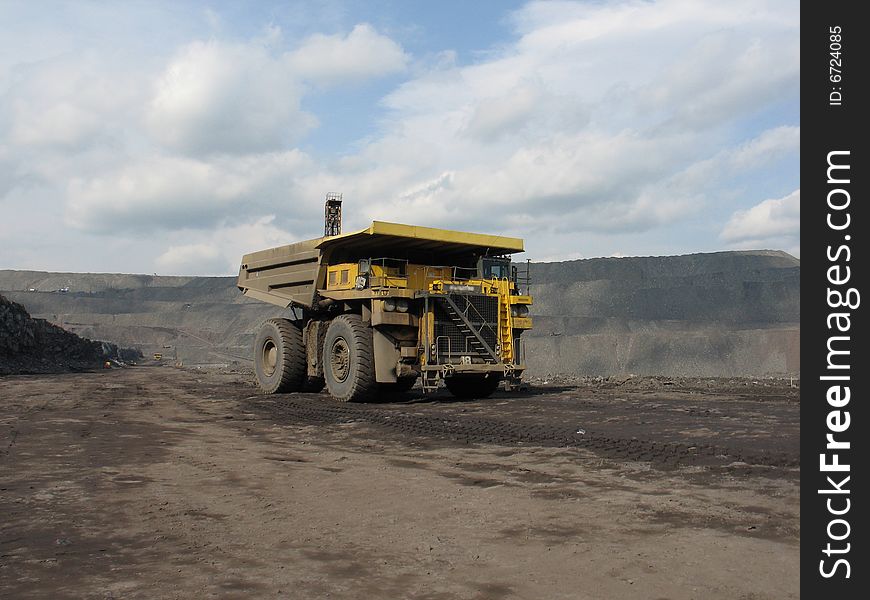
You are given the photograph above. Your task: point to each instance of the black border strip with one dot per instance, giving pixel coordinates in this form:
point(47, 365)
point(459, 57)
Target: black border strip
point(832, 113)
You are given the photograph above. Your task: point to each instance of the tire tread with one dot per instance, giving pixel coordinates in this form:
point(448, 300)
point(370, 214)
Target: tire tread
point(291, 362)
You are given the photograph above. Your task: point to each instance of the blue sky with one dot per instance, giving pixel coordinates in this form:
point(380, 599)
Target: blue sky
point(173, 137)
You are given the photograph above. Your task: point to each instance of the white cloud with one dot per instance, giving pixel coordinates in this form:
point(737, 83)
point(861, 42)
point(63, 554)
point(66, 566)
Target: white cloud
point(722, 76)
point(769, 146)
point(614, 117)
point(236, 98)
point(218, 251)
point(171, 193)
point(724, 166)
point(572, 181)
point(361, 54)
point(190, 259)
point(7, 171)
point(771, 223)
point(65, 103)
point(498, 116)
point(594, 129)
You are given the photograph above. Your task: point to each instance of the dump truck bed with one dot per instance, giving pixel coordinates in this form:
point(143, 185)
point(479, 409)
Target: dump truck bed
point(292, 274)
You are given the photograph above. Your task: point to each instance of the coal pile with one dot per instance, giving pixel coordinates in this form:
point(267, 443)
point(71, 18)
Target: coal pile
point(29, 345)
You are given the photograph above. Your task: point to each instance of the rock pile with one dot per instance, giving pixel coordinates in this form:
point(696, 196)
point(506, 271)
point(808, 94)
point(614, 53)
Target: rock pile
point(29, 345)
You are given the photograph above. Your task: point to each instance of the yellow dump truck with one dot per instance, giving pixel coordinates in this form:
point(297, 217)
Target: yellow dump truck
point(374, 310)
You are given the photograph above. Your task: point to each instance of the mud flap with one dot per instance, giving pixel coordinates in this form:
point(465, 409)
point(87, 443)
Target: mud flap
point(386, 357)
point(315, 332)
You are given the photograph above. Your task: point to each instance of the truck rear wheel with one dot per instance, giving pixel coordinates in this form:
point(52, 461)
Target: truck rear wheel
point(472, 386)
point(279, 357)
point(348, 360)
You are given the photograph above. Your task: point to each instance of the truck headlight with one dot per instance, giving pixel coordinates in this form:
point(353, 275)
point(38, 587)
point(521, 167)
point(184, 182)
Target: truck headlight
point(519, 310)
point(401, 305)
point(390, 304)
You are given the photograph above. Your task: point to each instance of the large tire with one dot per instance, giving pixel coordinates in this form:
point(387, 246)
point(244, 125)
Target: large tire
point(348, 360)
point(472, 386)
point(279, 357)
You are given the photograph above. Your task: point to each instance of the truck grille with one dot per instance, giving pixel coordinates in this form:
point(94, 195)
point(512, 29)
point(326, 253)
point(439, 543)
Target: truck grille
point(453, 338)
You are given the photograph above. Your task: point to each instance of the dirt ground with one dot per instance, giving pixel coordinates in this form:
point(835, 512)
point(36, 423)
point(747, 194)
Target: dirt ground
point(155, 482)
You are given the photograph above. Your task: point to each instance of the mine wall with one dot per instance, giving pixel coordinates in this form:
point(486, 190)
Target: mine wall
point(720, 314)
point(702, 352)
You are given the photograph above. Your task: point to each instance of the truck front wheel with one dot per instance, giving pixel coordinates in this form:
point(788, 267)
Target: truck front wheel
point(279, 358)
point(348, 360)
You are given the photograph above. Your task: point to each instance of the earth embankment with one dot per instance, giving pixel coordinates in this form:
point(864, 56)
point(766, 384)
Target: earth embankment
point(720, 314)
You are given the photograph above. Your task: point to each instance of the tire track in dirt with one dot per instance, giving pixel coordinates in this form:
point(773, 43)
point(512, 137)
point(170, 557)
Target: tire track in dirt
point(476, 430)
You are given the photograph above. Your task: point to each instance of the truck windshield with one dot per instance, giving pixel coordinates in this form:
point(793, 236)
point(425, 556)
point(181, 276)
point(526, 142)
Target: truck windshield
point(497, 268)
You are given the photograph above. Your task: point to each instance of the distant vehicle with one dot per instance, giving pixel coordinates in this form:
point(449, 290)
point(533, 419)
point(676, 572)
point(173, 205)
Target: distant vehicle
point(376, 309)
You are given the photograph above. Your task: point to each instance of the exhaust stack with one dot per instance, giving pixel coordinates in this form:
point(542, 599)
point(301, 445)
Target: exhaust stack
point(332, 215)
